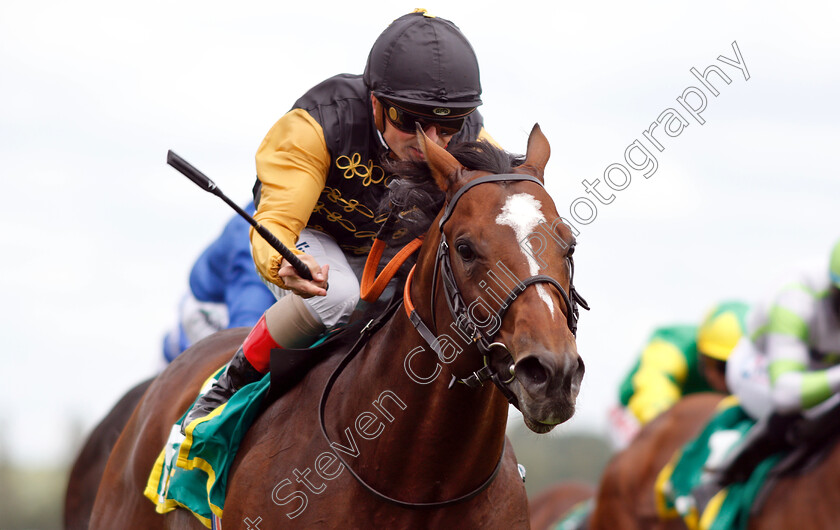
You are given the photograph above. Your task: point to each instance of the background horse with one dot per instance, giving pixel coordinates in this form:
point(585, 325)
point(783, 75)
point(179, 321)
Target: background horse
point(418, 453)
point(625, 496)
point(626, 492)
point(555, 502)
point(90, 463)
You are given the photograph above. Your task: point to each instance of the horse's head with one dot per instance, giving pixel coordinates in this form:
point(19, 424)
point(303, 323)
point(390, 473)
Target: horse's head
point(503, 267)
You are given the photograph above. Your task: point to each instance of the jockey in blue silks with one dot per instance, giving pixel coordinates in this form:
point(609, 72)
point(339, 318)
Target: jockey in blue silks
point(225, 290)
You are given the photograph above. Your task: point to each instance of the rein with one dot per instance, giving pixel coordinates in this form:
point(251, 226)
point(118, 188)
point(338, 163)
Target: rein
point(458, 310)
point(369, 288)
point(372, 327)
point(458, 307)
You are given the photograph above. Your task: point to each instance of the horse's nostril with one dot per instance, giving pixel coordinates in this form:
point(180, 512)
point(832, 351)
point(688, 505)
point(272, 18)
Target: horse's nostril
point(530, 370)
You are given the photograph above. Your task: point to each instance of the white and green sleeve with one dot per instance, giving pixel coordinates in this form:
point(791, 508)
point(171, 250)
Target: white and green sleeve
point(788, 346)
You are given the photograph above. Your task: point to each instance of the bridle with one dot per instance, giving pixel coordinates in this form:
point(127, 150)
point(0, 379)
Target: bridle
point(458, 308)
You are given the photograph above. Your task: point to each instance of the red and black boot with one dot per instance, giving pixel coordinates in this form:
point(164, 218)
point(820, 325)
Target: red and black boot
point(249, 364)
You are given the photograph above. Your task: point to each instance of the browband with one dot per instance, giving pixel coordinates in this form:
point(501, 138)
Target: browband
point(447, 212)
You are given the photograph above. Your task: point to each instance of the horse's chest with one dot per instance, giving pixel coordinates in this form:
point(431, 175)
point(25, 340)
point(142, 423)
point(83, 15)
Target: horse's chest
point(310, 489)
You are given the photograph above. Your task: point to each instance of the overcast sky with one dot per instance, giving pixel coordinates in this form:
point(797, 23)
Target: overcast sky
point(98, 234)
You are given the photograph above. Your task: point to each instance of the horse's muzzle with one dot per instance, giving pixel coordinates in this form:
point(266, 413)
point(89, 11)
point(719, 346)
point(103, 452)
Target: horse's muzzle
point(547, 386)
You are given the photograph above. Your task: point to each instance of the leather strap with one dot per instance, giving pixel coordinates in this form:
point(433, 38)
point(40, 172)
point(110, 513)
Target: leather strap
point(372, 288)
point(365, 334)
point(502, 177)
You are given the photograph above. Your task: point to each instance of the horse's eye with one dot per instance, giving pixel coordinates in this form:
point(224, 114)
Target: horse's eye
point(465, 251)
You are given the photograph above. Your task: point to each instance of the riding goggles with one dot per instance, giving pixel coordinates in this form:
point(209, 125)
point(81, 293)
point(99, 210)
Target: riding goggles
point(447, 121)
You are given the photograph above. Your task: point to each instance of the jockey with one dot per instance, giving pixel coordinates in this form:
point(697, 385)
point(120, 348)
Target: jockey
point(683, 359)
point(225, 290)
point(790, 366)
point(321, 180)
point(794, 355)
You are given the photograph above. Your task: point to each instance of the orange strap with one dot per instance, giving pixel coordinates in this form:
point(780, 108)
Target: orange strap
point(372, 287)
point(409, 305)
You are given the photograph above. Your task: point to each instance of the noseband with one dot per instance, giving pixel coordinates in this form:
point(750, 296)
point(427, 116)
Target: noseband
point(458, 308)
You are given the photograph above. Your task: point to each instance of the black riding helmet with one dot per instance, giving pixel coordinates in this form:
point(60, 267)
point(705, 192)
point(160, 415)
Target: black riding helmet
point(424, 60)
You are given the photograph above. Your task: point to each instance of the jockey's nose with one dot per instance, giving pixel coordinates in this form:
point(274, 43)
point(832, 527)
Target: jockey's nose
point(431, 131)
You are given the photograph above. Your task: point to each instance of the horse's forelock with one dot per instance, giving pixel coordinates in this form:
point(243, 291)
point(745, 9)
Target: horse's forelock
point(484, 156)
point(412, 189)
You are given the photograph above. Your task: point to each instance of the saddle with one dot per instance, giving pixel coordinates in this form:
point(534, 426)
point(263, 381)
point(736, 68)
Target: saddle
point(727, 494)
point(812, 439)
point(805, 440)
point(767, 437)
point(795, 444)
point(191, 470)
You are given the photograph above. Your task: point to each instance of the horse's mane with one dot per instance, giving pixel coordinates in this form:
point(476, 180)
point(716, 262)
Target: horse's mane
point(414, 194)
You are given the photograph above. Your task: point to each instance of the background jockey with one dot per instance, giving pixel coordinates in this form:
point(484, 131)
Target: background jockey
point(225, 290)
point(790, 366)
point(680, 360)
point(321, 180)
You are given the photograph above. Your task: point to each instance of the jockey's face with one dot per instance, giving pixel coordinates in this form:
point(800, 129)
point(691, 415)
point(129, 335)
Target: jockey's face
point(714, 371)
point(404, 145)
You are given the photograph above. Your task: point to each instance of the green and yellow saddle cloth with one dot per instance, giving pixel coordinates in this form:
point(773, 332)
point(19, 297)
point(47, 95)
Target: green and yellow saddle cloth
point(577, 516)
point(677, 482)
point(192, 470)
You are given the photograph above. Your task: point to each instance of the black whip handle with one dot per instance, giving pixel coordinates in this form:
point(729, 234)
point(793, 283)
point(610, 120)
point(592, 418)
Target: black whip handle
point(204, 182)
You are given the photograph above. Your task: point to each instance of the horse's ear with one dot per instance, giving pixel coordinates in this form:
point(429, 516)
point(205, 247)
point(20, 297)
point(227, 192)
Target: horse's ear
point(445, 168)
point(538, 151)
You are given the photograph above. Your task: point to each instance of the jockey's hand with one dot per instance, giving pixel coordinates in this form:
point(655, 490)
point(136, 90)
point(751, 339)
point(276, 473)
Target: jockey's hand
point(787, 393)
point(301, 287)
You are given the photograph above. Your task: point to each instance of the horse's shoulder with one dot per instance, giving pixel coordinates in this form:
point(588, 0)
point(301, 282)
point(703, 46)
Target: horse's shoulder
point(290, 421)
point(201, 359)
point(221, 341)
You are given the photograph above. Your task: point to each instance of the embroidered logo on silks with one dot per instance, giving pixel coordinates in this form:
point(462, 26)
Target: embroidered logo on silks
point(348, 205)
point(348, 219)
point(353, 167)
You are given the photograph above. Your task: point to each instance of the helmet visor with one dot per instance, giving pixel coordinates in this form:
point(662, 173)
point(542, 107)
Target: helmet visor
point(405, 118)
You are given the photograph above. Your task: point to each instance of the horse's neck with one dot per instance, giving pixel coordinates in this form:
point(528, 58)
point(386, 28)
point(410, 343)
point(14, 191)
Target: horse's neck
point(425, 433)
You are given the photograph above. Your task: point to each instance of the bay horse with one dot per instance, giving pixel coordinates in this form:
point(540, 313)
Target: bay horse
point(625, 499)
point(556, 501)
point(89, 465)
point(409, 446)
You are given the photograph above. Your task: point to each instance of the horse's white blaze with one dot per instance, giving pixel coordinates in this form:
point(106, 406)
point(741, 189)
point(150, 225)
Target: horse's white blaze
point(522, 213)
